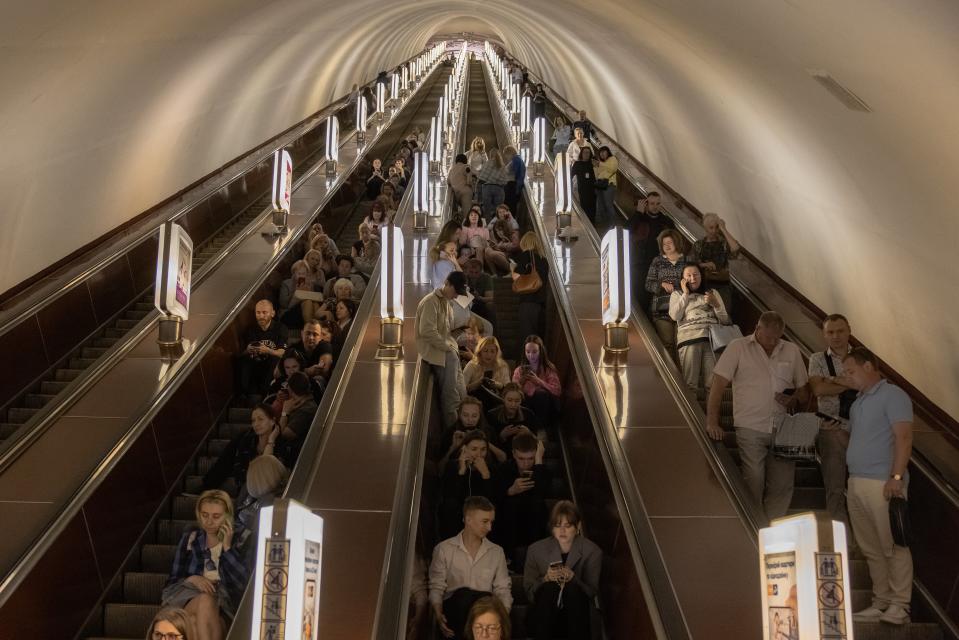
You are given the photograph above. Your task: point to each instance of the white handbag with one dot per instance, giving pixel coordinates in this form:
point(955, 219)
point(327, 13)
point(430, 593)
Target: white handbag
point(720, 335)
point(795, 438)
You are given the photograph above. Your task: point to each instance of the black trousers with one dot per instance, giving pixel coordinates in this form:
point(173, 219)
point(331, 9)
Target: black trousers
point(254, 376)
point(546, 621)
point(456, 608)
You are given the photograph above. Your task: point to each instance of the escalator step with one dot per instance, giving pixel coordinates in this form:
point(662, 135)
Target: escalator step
point(145, 305)
point(170, 531)
point(81, 363)
point(193, 484)
point(239, 415)
point(137, 314)
point(518, 618)
point(37, 400)
point(128, 620)
point(19, 415)
point(204, 464)
point(912, 631)
point(184, 508)
point(104, 342)
point(114, 332)
point(230, 430)
point(126, 323)
point(7, 429)
point(92, 352)
point(144, 588)
point(66, 375)
point(808, 498)
point(215, 446)
point(157, 558)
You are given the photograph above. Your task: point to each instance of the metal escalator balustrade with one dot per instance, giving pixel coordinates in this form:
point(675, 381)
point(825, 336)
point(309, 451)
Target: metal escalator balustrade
point(175, 423)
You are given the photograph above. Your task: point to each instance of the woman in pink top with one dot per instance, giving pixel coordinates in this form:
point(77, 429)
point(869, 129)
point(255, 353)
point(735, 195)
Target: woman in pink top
point(539, 379)
point(475, 239)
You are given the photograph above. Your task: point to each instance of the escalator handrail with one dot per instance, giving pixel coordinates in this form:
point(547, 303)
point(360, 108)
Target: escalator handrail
point(42, 299)
point(389, 622)
point(303, 474)
point(941, 482)
point(663, 605)
point(179, 373)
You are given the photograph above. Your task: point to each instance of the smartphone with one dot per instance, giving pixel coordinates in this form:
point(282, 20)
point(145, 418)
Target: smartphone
point(219, 533)
point(559, 564)
point(826, 416)
point(528, 474)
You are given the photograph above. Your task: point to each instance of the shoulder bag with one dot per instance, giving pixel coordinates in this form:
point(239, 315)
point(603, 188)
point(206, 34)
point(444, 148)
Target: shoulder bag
point(795, 439)
point(529, 282)
point(720, 335)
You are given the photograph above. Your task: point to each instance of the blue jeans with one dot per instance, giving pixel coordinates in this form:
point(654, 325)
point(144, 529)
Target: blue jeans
point(605, 207)
point(493, 196)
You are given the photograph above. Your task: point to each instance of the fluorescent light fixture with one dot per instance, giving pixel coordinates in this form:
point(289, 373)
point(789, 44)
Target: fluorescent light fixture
point(282, 180)
point(405, 79)
point(563, 181)
point(436, 145)
point(525, 114)
point(421, 180)
point(361, 114)
point(332, 144)
point(394, 87)
point(539, 140)
point(286, 587)
point(171, 291)
point(614, 269)
point(391, 270)
point(444, 114)
point(380, 99)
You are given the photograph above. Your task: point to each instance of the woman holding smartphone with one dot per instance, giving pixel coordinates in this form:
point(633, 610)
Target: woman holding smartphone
point(209, 573)
point(561, 577)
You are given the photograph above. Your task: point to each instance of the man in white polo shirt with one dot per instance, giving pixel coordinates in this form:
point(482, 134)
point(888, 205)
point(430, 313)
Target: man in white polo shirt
point(768, 378)
point(467, 567)
point(880, 444)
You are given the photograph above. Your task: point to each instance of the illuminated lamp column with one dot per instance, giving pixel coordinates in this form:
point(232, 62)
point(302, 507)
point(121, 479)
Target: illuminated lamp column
point(392, 284)
point(539, 147)
point(436, 143)
point(405, 81)
point(564, 192)
point(444, 115)
point(616, 291)
point(525, 116)
point(332, 145)
point(394, 89)
point(361, 117)
point(421, 183)
point(171, 291)
point(380, 102)
point(514, 103)
point(282, 188)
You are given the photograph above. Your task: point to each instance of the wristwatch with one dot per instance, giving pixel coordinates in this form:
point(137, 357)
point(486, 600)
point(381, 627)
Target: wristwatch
point(896, 476)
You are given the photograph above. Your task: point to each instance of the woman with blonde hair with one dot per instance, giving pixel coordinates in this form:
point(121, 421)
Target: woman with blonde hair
point(171, 623)
point(476, 158)
point(532, 304)
point(314, 259)
point(561, 134)
point(366, 250)
point(295, 311)
point(475, 238)
point(209, 572)
point(265, 479)
point(487, 373)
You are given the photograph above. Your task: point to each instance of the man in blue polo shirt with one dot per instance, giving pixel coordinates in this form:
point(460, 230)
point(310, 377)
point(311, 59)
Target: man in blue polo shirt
point(880, 444)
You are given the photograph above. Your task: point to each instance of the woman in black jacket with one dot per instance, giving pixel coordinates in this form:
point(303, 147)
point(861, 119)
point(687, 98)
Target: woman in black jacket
point(470, 473)
point(262, 439)
point(585, 176)
point(532, 304)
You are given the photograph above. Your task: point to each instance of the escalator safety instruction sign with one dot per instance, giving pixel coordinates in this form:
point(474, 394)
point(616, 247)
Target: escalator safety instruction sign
point(781, 596)
point(831, 594)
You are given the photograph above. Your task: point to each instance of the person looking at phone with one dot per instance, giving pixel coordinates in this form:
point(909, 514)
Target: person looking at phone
point(694, 310)
point(473, 471)
point(487, 373)
point(769, 378)
point(470, 414)
point(511, 417)
point(262, 439)
point(280, 393)
point(835, 394)
point(538, 377)
point(315, 353)
point(298, 411)
point(467, 567)
point(561, 577)
point(209, 571)
point(375, 182)
point(265, 344)
point(524, 484)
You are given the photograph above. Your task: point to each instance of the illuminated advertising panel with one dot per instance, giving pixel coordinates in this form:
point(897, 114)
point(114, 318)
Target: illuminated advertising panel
point(282, 180)
point(171, 293)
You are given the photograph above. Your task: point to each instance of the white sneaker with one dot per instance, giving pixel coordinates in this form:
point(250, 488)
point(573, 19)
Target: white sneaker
point(895, 614)
point(870, 614)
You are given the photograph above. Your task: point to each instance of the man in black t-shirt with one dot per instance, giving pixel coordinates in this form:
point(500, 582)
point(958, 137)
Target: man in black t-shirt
point(264, 344)
point(316, 353)
point(524, 485)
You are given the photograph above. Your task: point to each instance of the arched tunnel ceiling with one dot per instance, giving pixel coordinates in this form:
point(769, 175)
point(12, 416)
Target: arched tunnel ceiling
point(109, 107)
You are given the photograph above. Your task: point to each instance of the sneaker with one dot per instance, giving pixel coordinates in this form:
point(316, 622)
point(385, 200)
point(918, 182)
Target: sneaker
point(895, 614)
point(871, 614)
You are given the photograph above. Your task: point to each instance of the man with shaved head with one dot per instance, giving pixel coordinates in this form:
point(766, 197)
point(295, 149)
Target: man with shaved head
point(263, 345)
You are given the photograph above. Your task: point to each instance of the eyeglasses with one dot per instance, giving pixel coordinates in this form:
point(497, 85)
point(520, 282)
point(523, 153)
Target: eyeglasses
point(486, 629)
point(159, 635)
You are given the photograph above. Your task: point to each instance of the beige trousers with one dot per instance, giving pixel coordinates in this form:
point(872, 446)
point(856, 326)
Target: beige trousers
point(890, 566)
point(770, 479)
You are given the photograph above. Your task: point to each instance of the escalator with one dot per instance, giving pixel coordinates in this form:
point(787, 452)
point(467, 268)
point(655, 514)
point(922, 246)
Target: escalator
point(130, 606)
point(104, 562)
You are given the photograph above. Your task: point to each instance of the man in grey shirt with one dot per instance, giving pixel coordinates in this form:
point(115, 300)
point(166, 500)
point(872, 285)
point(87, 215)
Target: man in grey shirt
point(880, 444)
point(834, 392)
point(467, 567)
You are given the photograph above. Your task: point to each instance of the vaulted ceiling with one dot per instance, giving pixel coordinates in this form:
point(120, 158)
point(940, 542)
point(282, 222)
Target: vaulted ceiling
point(107, 108)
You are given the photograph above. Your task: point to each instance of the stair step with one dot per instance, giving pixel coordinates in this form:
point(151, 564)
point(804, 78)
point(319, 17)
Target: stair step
point(128, 620)
point(911, 631)
point(19, 415)
point(170, 531)
point(145, 305)
point(204, 464)
point(7, 429)
point(239, 414)
point(808, 498)
point(104, 342)
point(114, 332)
point(215, 446)
point(92, 352)
point(136, 314)
point(157, 557)
point(81, 363)
point(230, 430)
point(184, 507)
point(66, 375)
point(125, 323)
point(52, 387)
point(144, 588)
point(193, 484)
point(37, 400)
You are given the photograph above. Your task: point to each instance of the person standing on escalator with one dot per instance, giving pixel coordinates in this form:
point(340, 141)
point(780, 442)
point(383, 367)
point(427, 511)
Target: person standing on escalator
point(584, 171)
point(607, 166)
point(513, 191)
point(435, 344)
point(645, 225)
point(532, 300)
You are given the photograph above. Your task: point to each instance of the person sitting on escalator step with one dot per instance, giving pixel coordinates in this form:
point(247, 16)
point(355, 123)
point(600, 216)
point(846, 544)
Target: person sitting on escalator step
point(472, 471)
point(538, 377)
point(524, 485)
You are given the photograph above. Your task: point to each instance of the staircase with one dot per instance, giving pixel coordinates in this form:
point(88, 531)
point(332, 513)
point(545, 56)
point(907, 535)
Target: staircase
point(135, 597)
point(506, 308)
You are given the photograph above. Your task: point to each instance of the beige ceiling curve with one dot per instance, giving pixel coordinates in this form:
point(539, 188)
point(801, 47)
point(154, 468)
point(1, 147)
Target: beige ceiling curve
point(108, 107)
